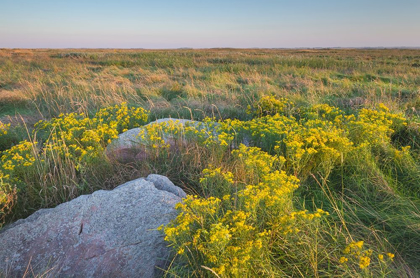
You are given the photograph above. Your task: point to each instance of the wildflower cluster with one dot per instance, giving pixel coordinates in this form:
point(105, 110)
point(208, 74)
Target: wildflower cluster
point(270, 106)
point(223, 239)
point(122, 116)
point(314, 145)
point(308, 144)
point(230, 233)
point(4, 128)
point(355, 254)
point(71, 142)
point(83, 139)
point(6, 137)
point(17, 159)
point(375, 126)
point(7, 196)
point(320, 139)
point(77, 137)
point(216, 176)
point(325, 112)
point(264, 132)
point(163, 135)
point(247, 224)
point(15, 163)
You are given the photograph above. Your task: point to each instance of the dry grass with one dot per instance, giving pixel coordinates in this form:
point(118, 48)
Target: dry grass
point(221, 83)
point(58, 81)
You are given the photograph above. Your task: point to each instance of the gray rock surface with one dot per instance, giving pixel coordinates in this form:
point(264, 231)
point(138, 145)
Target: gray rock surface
point(105, 234)
point(129, 147)
point(163, 183)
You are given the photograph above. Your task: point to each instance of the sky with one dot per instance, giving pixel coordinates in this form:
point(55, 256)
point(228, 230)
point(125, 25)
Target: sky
point(208, 24)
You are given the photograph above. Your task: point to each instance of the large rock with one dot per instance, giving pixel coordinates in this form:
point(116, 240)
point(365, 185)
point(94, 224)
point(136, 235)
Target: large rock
point(129, 146)
point(105, 234)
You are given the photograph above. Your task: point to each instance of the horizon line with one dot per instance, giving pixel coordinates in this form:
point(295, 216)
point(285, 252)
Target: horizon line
point(209, 48)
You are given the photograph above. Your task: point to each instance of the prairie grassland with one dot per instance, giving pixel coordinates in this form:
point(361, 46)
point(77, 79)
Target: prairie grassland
point(199, 83)
point(328, 186)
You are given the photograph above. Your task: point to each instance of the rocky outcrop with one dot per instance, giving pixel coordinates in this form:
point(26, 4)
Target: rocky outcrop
point(105, 234)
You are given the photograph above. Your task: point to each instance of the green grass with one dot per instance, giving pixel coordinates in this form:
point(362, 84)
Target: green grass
point(58, 81)
point(371, 195)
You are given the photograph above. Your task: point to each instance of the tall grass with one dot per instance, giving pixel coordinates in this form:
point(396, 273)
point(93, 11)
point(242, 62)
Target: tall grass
point(355, 159)
point(59, 81)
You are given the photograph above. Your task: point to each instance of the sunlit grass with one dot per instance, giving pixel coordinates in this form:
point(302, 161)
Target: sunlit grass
point(327, 130)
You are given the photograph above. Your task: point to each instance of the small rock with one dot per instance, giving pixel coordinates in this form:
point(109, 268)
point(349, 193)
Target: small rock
point(163, 183)
point(129, 147)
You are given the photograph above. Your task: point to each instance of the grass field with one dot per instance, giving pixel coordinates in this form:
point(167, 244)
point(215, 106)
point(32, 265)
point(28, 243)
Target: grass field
point(329, 186)
point(203, 82)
